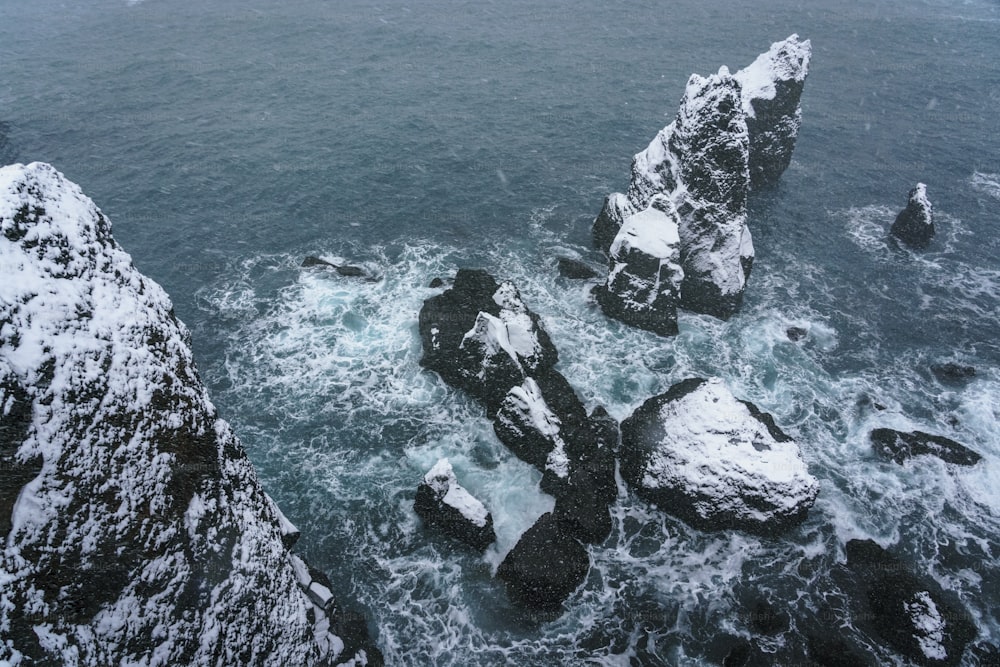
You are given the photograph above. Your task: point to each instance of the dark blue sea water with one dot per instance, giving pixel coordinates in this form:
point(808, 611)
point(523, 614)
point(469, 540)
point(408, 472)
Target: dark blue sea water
point(226, 140)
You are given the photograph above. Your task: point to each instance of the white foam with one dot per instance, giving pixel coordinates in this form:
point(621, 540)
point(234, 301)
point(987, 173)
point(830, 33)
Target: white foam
point(988, 184)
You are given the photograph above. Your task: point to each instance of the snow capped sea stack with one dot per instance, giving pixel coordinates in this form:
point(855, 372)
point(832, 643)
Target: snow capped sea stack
point(715, 461)
point(138, 532)
point(444, 504)
point(731, 131)
point(915, 224)
point(771, 88)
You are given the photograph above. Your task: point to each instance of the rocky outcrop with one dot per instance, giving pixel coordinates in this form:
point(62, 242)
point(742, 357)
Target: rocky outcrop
point(914, 225)
point(574, 269)
point(445, 505)
point(771, 88)
point(730, 131)
point(139, 527)
point(480, 337)
point(899, 446)
point(544, 567)
point(717, 462)
point(644, 284)
point(911, 613)
point(953, 373)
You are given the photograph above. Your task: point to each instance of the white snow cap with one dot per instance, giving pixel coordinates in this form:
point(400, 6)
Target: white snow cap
point(787, 60)
point(512, 332)
point(442, 480)
point(527, 401)
point(714, 447)
point(918, 197)
point(650, 231)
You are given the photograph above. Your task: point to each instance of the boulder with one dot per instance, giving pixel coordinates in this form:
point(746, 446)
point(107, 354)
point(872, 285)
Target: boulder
point(899, 446)
point(644, 283)
point(445, 505)
point(574, 269)
point(544, 567)
point(480, 337)
point(771, 87)
point(914, 225)
point(342, 269)
point(795, 334)
point(910, 612)
point(717, 462)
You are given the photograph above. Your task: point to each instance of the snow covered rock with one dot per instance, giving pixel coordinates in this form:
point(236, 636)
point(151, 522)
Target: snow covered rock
point(545, 566)
point(899, 446)
point(139, 533)
point(699, 163)
point(444, 504)
point(914, 225)
point(771, 89)
point(715, 461)
point(480, 337)
point(644, 282)
point(912, 614)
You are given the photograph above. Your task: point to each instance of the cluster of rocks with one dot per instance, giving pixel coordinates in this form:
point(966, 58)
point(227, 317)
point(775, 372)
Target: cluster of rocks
point(678, 237)
point(736, 469)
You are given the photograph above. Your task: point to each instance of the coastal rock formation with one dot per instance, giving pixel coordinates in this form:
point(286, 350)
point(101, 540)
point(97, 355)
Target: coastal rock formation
point(730, 131)
point(444, 504)
point(715, 461)
point(544, 567)
point(914, 225)
point(135, 526)
point(574, 269)
point(644, 284)
point(899, 446)
point(771, 89)
point(953, 373)
point(911, 613)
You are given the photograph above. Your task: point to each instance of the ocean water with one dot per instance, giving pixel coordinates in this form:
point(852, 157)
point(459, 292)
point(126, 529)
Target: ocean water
point(227, 140)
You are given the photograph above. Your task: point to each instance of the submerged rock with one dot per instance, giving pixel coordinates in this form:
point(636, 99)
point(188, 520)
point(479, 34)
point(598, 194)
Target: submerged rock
point(545, 566)
point(138, 514)
point(717, 462)
point(914, 225)
point(644, 283)
point(574, 269)
point(795, 334)
point(771, 88)
point(899, 447)
point(444, 504)
point(911, 613)
point(342, 269)
point(952, 373)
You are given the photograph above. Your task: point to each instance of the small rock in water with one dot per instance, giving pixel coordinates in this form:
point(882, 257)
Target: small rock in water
point(574, 269)
point(311, 261)
point(795, 334)
point(952, 373)
point(915, 224)
point(436, 283)
point(900, 446)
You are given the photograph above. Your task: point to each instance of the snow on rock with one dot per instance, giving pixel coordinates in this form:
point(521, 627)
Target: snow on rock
point(715, 461)
point(479, 336)
point(444, 504)
point(643, 285)
point(909, 610)
point(915, 224)
point(139, 533)
point(771, 89)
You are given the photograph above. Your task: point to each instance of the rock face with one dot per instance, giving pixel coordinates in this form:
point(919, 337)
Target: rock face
point(644, 284)
point(914, 225)
point(544, 567)
point(444, 504)
point(715, 461)
point(911, 613)
point(899, 446)
point(138, 526)
point(771, 88)
point(730, 131)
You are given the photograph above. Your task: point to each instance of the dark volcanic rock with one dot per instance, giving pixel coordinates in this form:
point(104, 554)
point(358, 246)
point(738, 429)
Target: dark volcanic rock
point(915, 223)
point(911, 613)
point(342, 269)
point(644, 283)
point(900, 446)
point(714, 461)
point(795, 334)
point(574, 269)
point(545, 566)
point(444, 504)
point(146, 509)
point(952, 373)
point(771, 89)
point(480, 337)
